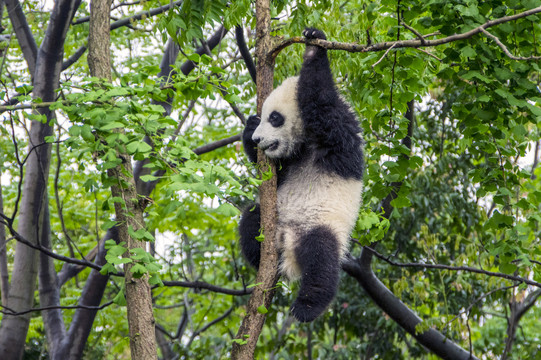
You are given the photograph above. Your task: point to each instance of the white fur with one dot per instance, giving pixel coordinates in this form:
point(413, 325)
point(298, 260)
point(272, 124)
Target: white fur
point(311, 198)
point(283, 100)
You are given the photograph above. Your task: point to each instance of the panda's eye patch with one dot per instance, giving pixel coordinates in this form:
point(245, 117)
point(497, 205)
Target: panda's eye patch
point(276, 119)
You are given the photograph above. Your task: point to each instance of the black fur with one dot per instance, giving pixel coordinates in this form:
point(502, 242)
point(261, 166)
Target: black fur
point(276, 119)
point(317, 256)
point(249, 230)
point(328, 121)
point(250, 146)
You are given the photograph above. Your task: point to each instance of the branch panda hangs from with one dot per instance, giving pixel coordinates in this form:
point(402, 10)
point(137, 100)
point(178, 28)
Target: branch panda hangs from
point(313, 134)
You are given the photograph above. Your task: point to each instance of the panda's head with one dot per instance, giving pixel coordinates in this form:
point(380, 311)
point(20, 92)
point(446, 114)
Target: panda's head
point(280, 131)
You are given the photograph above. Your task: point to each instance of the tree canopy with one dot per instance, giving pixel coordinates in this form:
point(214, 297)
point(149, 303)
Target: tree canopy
point(445, 258)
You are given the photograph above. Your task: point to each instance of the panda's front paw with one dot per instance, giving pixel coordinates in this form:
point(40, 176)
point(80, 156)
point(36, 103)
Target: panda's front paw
point(252, 123)
point(313, 33)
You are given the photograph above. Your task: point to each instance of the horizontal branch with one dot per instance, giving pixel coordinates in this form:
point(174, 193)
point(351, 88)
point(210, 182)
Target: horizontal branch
point(45, 250)
point(115, 25)
point(144, 14)
point(412, 43)
point(135, 17)
point(216, 144)
point(454, 268)
point(45, 308)
point(207, 286)
point(32, 106)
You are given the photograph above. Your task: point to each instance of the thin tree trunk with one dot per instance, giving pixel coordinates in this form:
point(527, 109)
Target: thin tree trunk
point(129, 214)
point(81, 324)
point(267, 276)
point(4, 276)
point(49, 291)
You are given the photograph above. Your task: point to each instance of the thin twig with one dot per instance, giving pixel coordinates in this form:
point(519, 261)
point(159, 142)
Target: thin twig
point(211, 323)
point(418, 34)
point(383, 57)
point(12, 312)
point(207, 286)
point(505, 50)
point(455, 268)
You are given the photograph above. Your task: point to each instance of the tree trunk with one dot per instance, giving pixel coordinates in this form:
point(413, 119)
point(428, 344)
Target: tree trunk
point(49, 291)
point(13, 329)
point(4, 275)
point(81, 324)
point(267, 276)
point(129, 213)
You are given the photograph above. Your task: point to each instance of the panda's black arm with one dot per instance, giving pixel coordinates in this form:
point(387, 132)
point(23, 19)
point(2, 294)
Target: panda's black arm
point(250, 146)
point(328, 120)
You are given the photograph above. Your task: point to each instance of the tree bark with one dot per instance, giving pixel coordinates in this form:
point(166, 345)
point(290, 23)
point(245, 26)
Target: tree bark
point(267, 276)
point(23, 33)
point(518, 310)
point(4, 275)
point(48, 62)
point(72, 345)
point(49, 291)
point(129, 213)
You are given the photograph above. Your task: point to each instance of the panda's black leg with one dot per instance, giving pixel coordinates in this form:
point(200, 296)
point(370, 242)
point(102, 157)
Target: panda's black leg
point(318, 258)
point(249, 228)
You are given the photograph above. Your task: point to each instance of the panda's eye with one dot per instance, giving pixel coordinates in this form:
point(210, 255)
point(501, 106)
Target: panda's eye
point(276, 119)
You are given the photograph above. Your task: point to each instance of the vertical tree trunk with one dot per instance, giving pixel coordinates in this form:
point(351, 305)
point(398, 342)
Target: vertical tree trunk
point(267, 275)
point(129, 214)
point(49, 290)
point(4, 276)
point(48, 64)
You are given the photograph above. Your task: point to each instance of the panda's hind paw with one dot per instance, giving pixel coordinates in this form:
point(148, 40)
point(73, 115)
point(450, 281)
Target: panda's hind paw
point(306, 311)
point(313, 33)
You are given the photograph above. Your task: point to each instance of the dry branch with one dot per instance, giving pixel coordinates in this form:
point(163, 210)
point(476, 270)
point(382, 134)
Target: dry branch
point(412, 43)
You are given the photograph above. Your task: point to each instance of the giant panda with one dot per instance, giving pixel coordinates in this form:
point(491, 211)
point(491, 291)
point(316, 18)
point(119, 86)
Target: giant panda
point(314, 136)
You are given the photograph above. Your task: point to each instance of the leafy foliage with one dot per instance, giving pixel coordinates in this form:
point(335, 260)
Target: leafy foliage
point(469, 196)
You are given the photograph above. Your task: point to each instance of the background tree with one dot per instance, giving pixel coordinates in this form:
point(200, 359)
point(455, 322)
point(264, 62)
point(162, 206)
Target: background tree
point(447, 242)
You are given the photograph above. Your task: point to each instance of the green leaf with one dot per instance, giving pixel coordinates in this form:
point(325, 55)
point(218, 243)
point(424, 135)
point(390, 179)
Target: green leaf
point(112, 125)
point(138, 270)
point(108, 224)
point(508, 268)
point(228, 210)
point(262, 309)
point(120, 298)
point(400, 202)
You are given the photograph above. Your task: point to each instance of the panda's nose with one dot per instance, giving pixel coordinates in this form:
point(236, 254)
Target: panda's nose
point(256, 139)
